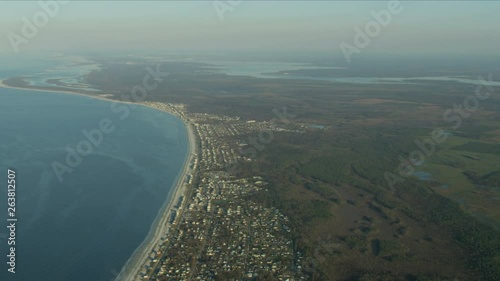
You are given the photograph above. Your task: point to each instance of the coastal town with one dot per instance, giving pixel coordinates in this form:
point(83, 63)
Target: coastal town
point(213, 230)
point(210, 228)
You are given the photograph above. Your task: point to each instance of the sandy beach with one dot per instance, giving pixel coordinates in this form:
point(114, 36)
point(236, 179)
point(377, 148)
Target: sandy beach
point(160, 226)
point(100, 97)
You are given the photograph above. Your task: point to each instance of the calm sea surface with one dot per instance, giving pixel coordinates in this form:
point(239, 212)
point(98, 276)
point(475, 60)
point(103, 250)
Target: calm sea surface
point(86, 227)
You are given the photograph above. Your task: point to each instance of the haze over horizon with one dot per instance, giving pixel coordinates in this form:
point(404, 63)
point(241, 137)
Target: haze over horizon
point(254, 140)
point(428, 28)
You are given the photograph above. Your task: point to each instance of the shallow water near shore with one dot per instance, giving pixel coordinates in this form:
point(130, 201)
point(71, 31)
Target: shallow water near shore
point(86, 227)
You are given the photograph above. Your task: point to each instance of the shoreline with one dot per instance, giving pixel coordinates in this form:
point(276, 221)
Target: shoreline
point(62, 91)
point(160, 226)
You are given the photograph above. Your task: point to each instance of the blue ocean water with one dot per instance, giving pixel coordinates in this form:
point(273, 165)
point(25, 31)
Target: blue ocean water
point(86, 227)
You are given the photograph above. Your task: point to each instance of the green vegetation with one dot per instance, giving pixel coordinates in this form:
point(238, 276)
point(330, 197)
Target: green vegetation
point(330, 182)
point(480, 147)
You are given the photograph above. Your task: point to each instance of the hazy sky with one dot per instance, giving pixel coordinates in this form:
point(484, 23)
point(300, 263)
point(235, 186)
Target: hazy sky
point(425, 26)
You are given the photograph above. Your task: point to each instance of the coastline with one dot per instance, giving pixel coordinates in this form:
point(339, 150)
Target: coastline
point(3, 85)
point(160, 226)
